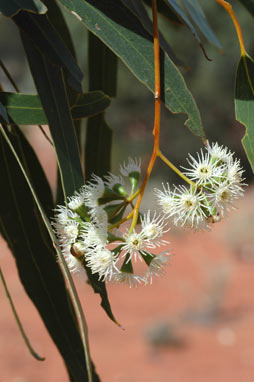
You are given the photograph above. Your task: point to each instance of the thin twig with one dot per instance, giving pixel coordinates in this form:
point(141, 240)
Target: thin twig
point(157, 109)
point(175, 169)
point(229, 9)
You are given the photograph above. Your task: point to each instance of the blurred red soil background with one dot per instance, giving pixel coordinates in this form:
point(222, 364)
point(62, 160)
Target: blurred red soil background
point(194, 324)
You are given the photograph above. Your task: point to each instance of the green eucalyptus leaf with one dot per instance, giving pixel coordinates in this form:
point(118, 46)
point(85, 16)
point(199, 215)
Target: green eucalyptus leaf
point(198, 16)
point(103, 75)
point(137, 7)
point(244, 104)
point(125, 35)
point(184, 17)
point(22, 227)
point(44, 36)
point(10, 8)
point(98, 146)
point(26, 109)
point(51, 88)
point(90, 104)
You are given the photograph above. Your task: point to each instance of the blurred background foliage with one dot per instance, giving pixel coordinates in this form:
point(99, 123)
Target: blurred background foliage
point(131, 113)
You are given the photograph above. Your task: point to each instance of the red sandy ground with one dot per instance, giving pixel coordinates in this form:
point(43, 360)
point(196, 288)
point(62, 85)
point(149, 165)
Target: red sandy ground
point(195, 324)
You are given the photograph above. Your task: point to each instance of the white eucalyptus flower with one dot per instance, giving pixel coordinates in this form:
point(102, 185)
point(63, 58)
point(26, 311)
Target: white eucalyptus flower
point(76, 201)
point(156, 267)
point(71, 231)
point(204, 170)
point(92, 191)
point(153, 228)
point(223, 196)
point(113, 180)
point(128, 278)
point(94, 236)
point(63, 215)
point(191, 205)
point(135, 245)
point(219, 153)
point(133, 165)
point(234, 173)
point(166, 199)
point(102, 261)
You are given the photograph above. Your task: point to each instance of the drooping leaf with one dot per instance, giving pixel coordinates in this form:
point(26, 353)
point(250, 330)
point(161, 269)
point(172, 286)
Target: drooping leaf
point(26, 109)
point(22, 227)
point(249, 5)
point(12, 7)
point(98, 142)
point(103, 75)
point(244, 104)
point(90, 104)
point(50, 85)
point(184, 17)
point(51, 89)
point(198, 16)
point(44, 36)
point(123, 33)
point(139, 10)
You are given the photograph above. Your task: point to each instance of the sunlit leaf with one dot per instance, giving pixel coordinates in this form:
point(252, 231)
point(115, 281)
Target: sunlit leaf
point(122, 32)
point(244, 104)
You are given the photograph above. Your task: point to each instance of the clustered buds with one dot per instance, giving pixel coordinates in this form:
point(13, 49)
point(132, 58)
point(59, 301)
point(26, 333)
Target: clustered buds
point(89, 231)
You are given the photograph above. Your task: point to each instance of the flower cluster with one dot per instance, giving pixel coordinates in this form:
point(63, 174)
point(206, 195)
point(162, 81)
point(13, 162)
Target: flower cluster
point(215, 183)
point(88, 227)
point(87, 232)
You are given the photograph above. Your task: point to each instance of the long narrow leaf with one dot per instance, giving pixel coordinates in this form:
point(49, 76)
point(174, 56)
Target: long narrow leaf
point(198, 16)
point(51, 89)
point(44, 36)
point(26, 109)
point(244, 104)
point(103, 75)
point(123, 33)
point(139, 10)
point(35, 258)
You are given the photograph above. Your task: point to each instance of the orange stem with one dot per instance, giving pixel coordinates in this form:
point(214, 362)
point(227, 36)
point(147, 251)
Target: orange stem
point(228, 8)
point(157, 109)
